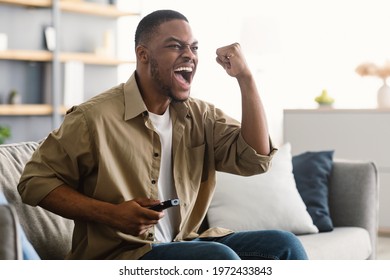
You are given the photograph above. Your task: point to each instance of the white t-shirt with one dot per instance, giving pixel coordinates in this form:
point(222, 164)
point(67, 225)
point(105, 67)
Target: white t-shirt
point(167, 227)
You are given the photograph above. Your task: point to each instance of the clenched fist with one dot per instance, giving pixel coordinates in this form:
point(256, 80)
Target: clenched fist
point(232, 60)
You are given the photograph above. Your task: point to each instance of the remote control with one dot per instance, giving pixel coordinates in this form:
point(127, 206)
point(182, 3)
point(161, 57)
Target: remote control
point(165, 204)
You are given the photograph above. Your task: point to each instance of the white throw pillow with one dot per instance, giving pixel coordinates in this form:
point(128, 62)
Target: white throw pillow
point(266, 201)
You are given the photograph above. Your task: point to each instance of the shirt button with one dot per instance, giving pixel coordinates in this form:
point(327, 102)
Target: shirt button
point(153, 181)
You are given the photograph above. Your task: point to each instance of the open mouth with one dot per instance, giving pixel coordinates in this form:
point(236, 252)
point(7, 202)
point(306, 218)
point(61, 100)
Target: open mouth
point(184, 74)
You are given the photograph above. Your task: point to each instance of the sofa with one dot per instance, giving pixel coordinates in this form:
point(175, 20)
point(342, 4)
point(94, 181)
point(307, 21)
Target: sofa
point(352, 200)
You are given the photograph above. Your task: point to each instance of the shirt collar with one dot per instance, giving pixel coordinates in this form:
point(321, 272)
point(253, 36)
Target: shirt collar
point(134, 104)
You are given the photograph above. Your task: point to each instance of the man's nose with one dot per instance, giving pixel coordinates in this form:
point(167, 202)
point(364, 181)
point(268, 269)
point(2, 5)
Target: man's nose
point(189, 52)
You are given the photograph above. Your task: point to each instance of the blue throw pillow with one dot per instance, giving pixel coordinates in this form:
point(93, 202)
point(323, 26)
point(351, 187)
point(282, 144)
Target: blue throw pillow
point(29, 252)
point(311, 172)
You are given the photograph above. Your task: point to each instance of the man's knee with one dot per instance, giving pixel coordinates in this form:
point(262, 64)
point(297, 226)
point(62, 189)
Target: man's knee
point(294, 249)
point(218, 251)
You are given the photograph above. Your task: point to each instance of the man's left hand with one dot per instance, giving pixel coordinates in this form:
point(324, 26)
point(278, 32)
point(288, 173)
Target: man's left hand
point(232, 60)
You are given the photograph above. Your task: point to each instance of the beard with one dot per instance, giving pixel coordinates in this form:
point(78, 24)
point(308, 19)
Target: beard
point(165, 89)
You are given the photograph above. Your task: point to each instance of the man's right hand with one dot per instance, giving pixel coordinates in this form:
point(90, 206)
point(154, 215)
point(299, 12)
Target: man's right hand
point(130, 217)
point(134, 217)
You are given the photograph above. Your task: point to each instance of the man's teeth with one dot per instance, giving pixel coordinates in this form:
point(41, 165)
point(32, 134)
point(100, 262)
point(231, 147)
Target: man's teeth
point(185, 69)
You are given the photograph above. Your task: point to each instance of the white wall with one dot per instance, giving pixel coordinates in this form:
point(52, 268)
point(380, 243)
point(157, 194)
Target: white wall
point(295, 48)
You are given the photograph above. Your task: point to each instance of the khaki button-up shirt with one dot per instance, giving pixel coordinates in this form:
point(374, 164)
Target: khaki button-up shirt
point(108, 149)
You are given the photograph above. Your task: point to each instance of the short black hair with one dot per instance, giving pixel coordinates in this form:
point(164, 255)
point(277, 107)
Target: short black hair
point(148, 25)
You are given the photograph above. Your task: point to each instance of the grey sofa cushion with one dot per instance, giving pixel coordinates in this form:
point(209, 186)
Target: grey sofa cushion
point(50, 234)
point(353, 196)
point(9, 234)
point(343, 243)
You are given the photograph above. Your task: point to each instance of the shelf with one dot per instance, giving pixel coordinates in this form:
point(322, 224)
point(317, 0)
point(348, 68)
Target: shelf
point(28, 3)
point(337, 110)
point(93, 9)
point(80, 7)
point(90, 58)
point(29, 110)
point(84, 11)
point(26, 110)
point(46, 56)
point(26, 55)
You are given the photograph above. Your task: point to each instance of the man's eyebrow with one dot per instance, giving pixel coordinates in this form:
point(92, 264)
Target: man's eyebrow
point(170, 39)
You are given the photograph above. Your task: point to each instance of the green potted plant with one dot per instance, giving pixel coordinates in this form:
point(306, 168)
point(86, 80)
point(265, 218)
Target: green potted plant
point(5, 133)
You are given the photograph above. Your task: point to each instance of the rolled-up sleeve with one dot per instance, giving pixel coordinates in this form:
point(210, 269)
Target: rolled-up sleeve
point(248, 154)
point(233, 153)
point(60, 159)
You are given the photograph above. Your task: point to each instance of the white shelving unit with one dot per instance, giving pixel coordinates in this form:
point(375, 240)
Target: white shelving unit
point(89, 10)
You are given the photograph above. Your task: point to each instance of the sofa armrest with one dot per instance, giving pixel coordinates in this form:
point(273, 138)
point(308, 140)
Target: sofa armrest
point(10, 244)
point(353, 196)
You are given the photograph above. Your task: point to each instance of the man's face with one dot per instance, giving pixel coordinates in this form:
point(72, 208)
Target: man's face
point(173, 59)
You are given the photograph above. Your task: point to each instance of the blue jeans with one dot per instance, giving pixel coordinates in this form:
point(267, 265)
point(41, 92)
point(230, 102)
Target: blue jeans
point(246, 245)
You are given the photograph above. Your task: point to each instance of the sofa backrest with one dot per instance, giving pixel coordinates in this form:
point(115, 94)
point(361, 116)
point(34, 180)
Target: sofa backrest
point(50, 234)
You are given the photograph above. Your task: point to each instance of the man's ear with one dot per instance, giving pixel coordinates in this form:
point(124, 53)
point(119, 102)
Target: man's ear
point(142, 54)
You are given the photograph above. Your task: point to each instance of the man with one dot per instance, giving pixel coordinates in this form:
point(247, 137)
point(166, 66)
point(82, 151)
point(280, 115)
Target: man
point(145, 141)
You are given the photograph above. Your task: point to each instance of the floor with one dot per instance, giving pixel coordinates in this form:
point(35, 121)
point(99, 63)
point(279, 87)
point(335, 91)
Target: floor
point(383, 248)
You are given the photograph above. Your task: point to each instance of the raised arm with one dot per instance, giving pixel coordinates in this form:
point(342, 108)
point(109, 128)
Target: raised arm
point(254, 126)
